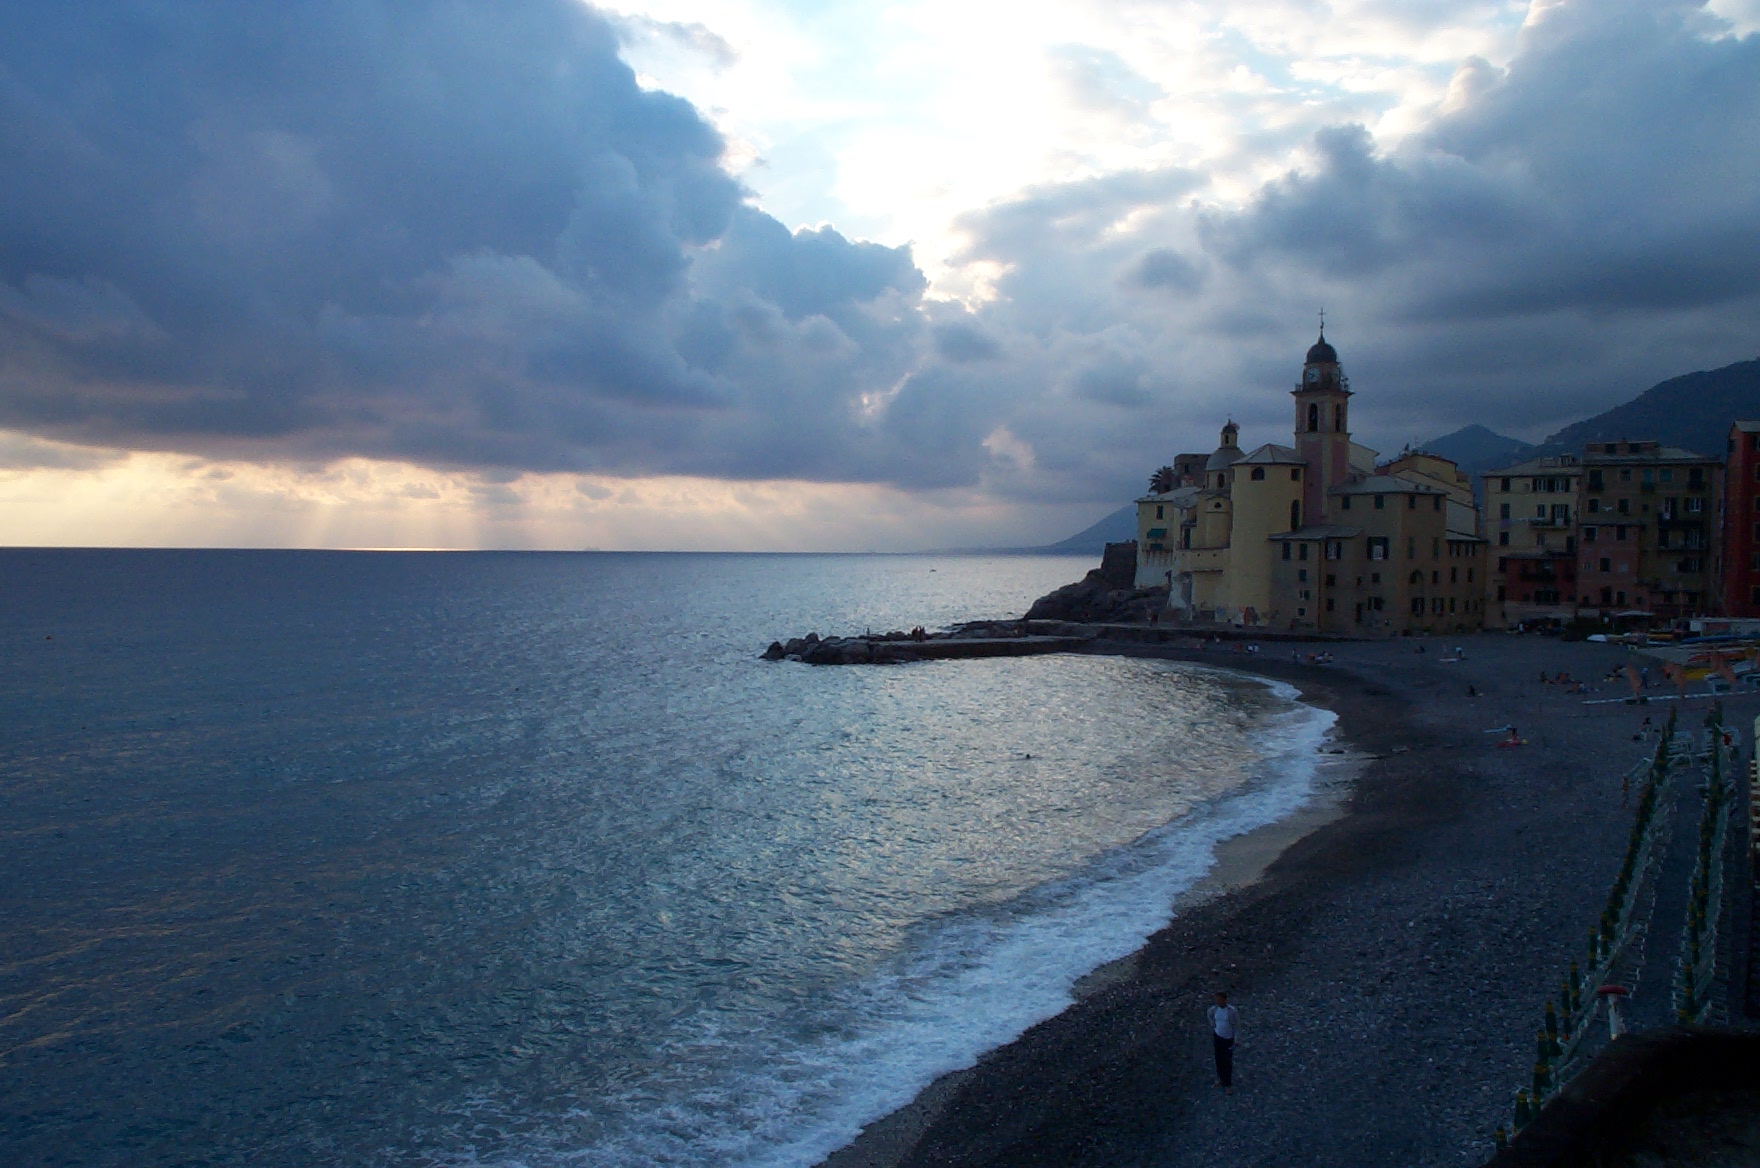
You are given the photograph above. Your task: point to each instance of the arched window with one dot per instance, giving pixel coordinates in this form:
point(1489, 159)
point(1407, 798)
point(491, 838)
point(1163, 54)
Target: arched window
point(1313, 416)
point(1295, 514)
point(1338, 417)
point(1258, 474)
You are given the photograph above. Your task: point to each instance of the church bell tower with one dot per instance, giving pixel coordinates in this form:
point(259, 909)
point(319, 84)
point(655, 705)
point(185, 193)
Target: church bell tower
point(1323, 435)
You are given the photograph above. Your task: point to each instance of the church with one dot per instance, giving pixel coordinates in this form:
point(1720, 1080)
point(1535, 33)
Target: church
point(1317, 536)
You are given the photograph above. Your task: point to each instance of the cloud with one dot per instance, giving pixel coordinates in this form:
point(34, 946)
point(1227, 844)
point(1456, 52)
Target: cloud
point(467, 238)
point(1563, 233)
point(462, 235)
point(21, 452)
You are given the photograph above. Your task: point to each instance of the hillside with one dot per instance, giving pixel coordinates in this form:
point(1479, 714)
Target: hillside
point(1693, 411)
point(1117, 527)
point(1475, 448)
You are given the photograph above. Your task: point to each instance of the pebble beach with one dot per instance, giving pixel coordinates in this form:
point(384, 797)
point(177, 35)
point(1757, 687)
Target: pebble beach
point(1390, 957)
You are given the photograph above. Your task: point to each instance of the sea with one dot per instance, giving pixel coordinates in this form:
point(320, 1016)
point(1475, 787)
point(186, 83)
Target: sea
point(358, 858)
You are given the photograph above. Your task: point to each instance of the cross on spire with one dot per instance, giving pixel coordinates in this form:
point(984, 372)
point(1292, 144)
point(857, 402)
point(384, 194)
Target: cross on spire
point(1322, 322)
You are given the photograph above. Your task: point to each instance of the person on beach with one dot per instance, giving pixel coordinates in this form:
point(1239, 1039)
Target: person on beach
point(1224, 1019)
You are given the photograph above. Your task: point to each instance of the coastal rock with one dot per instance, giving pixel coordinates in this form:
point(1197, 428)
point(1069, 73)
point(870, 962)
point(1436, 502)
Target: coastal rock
point(775, 652)
point(1106, 594)
point(1096, 598)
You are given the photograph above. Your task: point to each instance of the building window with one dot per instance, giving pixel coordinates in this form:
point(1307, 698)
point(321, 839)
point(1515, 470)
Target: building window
point(1451, 604)
point(1295, 474)
point(1503, 510)
point(1375, 577)
point(1436, 577)
point(1619, 532)
point(1335, 549)
point(1504, 485)
point(1606, 564)
point(1469, 575)
point(1329, 604)
point(1754, 593)
point(1594, 506)
point(1594, 480)
point(1258, 474)
point(1378, 550)
point(1435, 547)
point(1313, 417)
point(1302, 553)
point(1619, 598)
point(1454, 575)
point(1415, 579)
point(1588, 535)
point(1696, 505)
point(1667, 475)
point(1503, 539)
point(1344, 503)
point(1695, 479)
point(1411, 502)
point(1411, 547)
point(1625, 476)
point(1338, 418)
point(1331, 580)
point(1158, 513)
point(1302, 576)
point(1295, 514)
point(1380, 502)
point(1286, 549)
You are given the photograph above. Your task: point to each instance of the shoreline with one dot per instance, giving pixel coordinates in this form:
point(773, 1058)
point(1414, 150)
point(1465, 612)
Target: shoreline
point(1367, 1039)
point(1237, 863)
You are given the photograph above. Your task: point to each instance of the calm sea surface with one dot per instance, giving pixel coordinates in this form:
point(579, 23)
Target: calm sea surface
point(528, 859)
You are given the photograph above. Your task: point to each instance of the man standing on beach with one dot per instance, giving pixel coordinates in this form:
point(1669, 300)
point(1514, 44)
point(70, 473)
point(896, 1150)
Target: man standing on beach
point(1223, 1020)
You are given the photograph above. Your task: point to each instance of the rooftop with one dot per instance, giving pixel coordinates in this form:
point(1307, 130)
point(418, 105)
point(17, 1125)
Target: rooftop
point(1272, 453)
point(1632, 453)
point(1386, 485)
point(1568, 463)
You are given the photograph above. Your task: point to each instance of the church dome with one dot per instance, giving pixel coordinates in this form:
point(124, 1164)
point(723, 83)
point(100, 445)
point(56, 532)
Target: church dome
point(1321, 352)
point(1225, 457)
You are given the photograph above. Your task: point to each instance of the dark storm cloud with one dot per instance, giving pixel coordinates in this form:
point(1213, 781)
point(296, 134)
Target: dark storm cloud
point(465, 236)
point(458, 234)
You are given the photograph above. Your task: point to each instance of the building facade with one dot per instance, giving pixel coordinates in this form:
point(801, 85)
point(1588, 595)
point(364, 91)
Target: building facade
point(1739, 553)
point(1648, 533)
point(1314, 536)
point(1530, 529)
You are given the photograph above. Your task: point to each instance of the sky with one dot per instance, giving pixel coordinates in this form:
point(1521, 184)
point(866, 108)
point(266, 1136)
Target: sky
point(776, 275)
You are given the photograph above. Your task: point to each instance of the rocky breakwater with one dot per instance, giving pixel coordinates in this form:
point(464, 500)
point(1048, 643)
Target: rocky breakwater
point(981, 639)
point(1106, 595)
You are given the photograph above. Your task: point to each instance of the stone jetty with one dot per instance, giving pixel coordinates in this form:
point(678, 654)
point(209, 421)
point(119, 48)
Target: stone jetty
point(1006, 639)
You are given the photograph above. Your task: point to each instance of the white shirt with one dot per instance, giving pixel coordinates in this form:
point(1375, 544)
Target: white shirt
point(1223, 1020)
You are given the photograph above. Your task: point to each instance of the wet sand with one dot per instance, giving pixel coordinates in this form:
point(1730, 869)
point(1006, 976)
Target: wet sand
point(1390, 957)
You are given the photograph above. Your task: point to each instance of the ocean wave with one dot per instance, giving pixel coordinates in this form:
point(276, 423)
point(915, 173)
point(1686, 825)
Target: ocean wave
point(793, 1092)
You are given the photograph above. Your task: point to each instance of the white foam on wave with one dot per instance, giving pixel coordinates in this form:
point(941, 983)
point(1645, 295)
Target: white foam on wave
point(974, 983)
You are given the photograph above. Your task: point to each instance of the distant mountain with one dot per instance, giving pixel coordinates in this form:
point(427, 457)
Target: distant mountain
point(1693, 411)
point(1475, 448)
point(1091, 541)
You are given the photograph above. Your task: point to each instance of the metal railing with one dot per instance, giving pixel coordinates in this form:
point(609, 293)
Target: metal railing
point(1560, 1039)
point(1696, 966)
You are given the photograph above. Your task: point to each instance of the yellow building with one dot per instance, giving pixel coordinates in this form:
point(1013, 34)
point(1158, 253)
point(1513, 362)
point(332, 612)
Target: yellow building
point(1315, 536)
